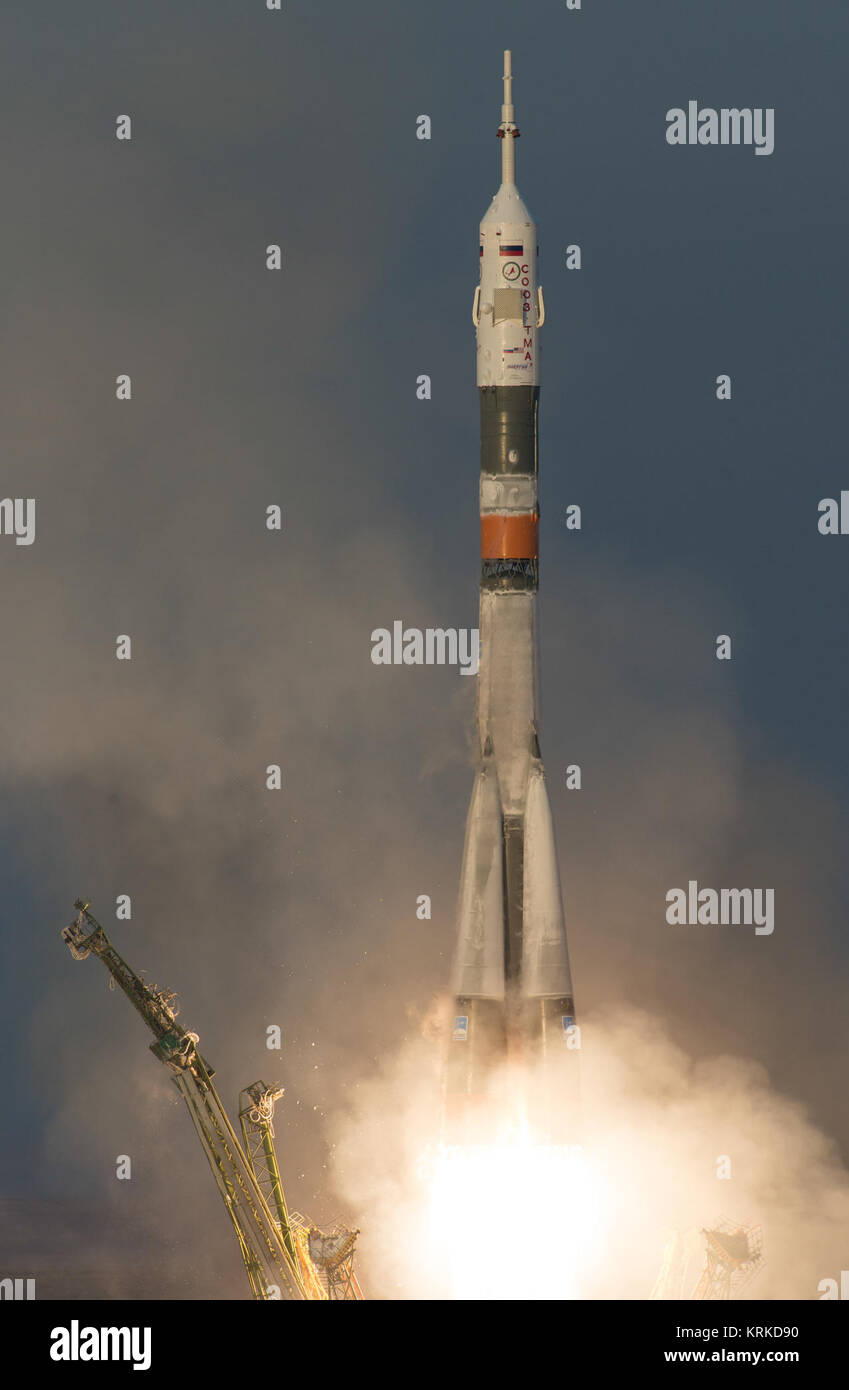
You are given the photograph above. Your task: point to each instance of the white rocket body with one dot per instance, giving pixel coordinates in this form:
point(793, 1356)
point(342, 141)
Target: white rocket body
point(511, 978)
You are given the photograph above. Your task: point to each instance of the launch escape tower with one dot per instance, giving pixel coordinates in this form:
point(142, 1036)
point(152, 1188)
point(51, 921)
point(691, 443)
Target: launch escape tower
point(274, 1247)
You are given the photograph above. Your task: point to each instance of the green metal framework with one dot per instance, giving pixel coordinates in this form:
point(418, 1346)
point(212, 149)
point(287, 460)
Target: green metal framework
point(256, 1116)
point(329, 1252)
point(269, 1258)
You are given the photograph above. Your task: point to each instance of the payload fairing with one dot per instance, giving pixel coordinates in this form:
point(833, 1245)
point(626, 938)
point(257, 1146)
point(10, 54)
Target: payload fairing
point(511, 982)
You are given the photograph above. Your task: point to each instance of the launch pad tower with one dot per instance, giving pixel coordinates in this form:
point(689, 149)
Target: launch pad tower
point(274, 1247)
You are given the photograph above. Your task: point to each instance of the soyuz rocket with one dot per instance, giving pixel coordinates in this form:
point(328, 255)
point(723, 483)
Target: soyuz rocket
point(512, 985)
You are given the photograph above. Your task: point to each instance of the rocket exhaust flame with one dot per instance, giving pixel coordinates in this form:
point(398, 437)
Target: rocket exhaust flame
point(536, 1252)
point(511, 982)
point(507, 1215)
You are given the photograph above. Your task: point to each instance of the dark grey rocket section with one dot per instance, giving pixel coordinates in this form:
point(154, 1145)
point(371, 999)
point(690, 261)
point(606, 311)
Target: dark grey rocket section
point(509, 418)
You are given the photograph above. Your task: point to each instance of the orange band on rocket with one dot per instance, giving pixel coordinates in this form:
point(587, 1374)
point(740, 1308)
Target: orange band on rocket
point(514, 537)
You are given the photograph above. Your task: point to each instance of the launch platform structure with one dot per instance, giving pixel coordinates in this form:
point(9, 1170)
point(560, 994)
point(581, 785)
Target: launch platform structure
point(256, 1117)
point(733, 1256)
point(325, 1257)
point(332, 1253)
point(275, 1252)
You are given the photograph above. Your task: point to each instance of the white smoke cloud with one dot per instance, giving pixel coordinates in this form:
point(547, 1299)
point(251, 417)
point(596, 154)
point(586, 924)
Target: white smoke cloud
point(659, 1129)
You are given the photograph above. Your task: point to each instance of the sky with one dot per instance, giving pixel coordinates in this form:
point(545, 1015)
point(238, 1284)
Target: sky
point(297, 388)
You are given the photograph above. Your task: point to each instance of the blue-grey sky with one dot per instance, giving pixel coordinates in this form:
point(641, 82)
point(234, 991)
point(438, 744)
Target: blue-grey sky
point(250, 388)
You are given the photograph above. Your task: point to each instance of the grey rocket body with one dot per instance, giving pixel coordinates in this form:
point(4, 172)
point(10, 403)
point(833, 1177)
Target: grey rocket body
point(511, 982)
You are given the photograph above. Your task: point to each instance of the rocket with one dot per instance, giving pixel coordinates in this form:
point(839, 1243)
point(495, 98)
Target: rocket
point(512, 985)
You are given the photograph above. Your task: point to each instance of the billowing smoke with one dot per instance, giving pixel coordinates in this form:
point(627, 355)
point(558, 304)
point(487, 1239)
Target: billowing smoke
point(298, 908)
point(671, 1146)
